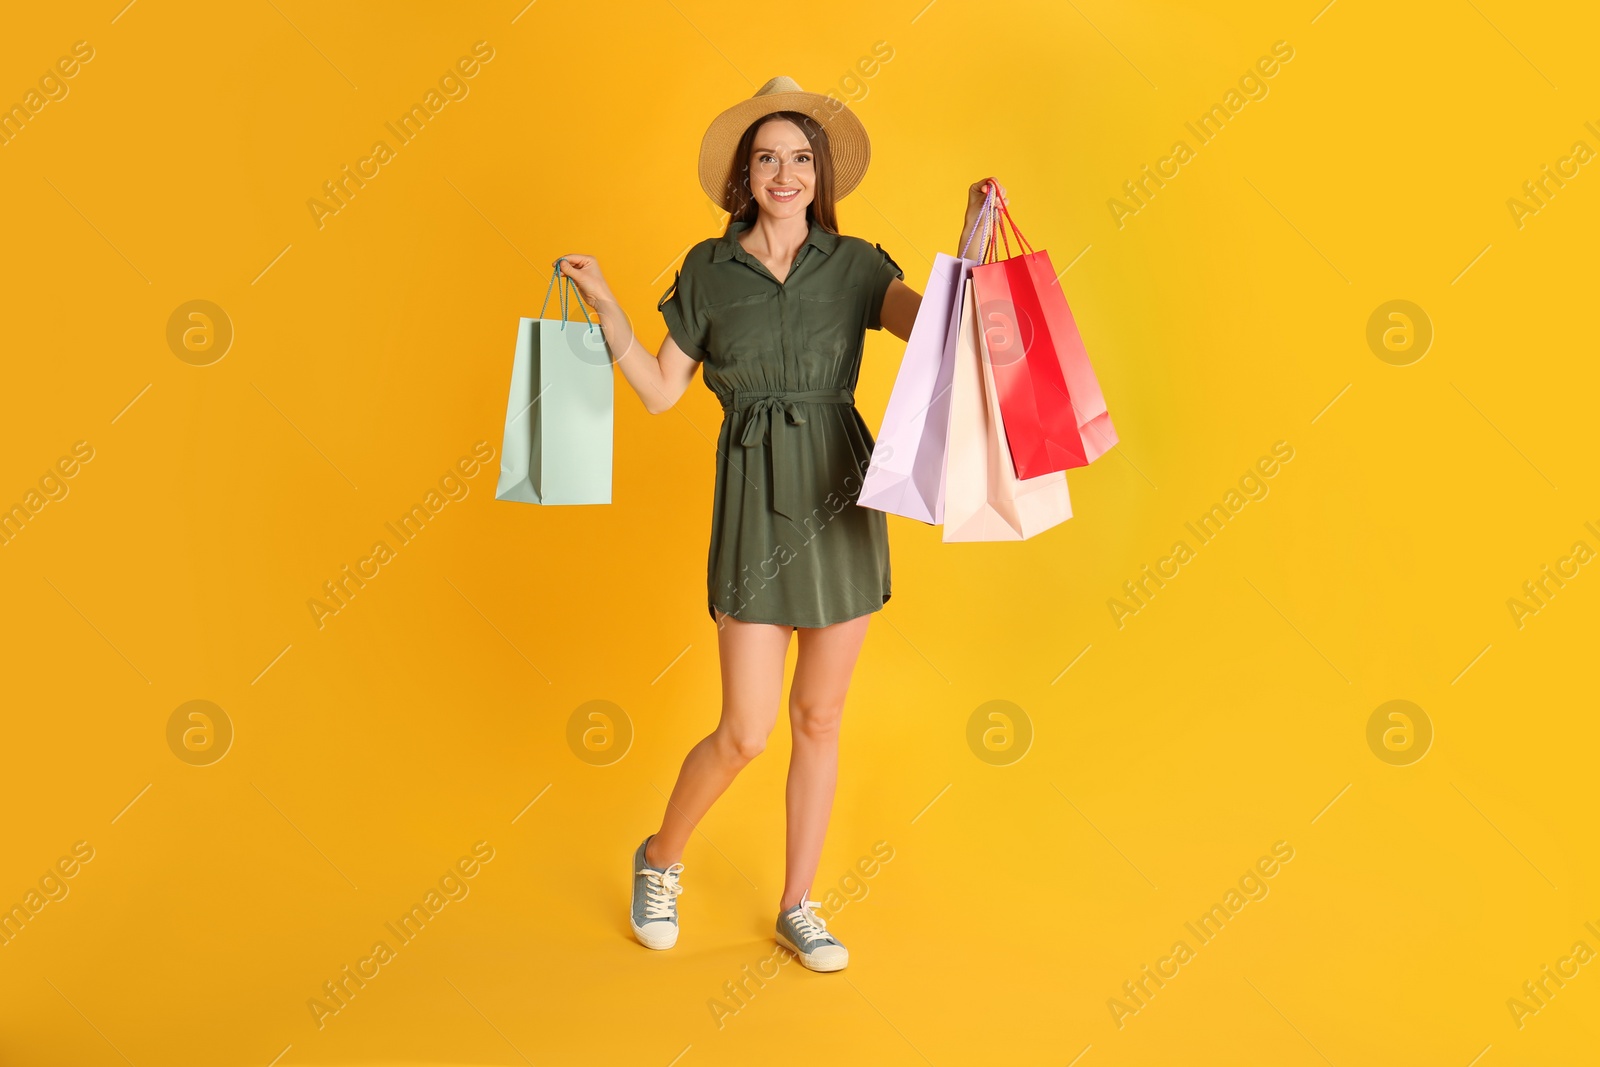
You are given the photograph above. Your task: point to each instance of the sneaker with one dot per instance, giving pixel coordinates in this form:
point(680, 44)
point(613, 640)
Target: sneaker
point(655, 901)
point(802, 933)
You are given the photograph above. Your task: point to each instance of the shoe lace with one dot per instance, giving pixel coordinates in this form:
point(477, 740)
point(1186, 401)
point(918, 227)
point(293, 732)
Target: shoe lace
point(661, 891)
point(808, 925)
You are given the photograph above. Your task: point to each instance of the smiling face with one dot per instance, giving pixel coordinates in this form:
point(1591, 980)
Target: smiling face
point(783, 169)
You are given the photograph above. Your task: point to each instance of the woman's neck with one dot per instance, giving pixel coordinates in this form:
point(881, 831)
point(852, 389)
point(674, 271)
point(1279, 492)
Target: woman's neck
point(775, 239)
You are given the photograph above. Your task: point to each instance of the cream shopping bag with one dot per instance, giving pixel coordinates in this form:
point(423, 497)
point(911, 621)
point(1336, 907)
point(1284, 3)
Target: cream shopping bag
point(984, 498)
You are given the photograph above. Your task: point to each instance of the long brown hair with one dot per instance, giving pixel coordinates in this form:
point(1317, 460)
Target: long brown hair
point(820, 210)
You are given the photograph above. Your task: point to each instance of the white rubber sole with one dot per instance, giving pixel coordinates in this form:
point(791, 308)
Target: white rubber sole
point(810, 962)
point(657, 942)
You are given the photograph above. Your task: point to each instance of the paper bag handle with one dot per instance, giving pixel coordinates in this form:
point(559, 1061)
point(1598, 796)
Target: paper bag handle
point(565, 282)
point(1022, 242)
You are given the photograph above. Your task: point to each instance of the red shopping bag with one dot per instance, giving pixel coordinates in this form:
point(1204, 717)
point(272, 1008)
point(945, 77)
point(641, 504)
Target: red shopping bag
point(1051, 403)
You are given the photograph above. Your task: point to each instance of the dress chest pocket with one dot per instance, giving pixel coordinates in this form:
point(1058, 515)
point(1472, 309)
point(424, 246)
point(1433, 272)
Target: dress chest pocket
point(829, 323)
point(745, 327)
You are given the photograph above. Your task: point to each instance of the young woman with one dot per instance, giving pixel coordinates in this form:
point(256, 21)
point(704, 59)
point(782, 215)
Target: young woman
point(776, 310)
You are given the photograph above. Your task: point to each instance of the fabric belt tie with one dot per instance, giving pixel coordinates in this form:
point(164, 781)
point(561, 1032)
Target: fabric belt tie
point(764, 423)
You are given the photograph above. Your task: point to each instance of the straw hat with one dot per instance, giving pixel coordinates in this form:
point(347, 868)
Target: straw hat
point(847, 138)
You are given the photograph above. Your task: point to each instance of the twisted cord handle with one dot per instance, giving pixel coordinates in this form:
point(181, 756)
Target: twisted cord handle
point(565, 282)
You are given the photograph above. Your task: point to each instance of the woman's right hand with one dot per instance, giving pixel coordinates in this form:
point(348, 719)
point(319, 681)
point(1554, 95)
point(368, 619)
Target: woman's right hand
point(585, 271)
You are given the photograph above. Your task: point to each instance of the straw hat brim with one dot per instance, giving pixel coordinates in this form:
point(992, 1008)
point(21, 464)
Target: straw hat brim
point(847, 140)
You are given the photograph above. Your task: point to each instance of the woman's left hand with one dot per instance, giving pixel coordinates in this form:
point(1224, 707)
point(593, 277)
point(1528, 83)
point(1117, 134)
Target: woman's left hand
point(976, 195)
point(979, 192)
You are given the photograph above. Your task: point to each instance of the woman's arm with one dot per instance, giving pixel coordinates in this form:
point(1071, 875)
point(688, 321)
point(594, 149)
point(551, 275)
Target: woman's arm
point(900, 304)
point(660, 380)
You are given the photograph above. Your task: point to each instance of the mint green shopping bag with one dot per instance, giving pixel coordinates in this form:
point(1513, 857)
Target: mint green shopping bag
point(557, 447)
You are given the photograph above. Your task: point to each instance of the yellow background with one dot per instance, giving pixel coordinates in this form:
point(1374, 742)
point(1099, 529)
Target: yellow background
point(1229, 713)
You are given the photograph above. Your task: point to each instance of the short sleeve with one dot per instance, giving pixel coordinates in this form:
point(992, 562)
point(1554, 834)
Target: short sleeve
point(884, 270)
point(685, 319)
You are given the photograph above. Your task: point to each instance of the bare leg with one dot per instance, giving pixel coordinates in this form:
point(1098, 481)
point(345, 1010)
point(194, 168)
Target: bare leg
point(816, 703)
point(752, 655)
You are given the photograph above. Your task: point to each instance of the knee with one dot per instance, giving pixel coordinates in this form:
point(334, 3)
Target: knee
point(741, 746)
point(813, 722)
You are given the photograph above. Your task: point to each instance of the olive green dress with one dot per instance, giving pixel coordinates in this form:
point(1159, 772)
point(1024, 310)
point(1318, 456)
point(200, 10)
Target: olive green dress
point(788, 543)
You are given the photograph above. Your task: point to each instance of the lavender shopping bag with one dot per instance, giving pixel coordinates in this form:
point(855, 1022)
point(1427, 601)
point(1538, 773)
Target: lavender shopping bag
point(906, 476)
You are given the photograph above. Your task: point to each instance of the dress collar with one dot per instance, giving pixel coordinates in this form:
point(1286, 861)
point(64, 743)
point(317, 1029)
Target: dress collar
point(728, 246)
